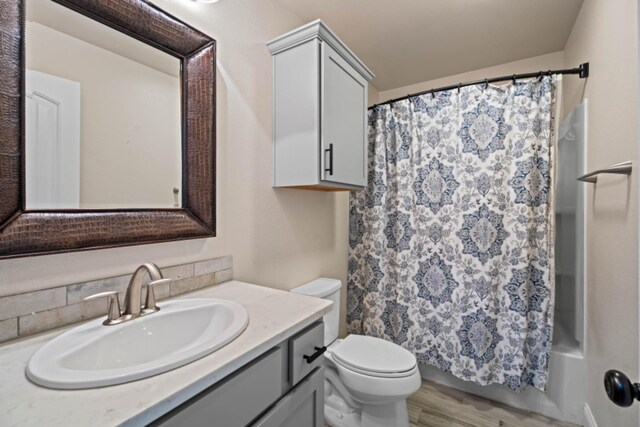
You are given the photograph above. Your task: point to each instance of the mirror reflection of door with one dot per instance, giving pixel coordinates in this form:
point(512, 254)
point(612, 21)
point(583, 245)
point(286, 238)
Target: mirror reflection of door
point(52, 142)
point(129, 153)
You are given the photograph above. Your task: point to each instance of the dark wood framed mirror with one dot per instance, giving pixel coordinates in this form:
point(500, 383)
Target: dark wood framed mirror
point(35, 232)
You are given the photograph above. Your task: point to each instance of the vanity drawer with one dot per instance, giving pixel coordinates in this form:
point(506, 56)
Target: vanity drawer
point(306, 343)
point(235, 402)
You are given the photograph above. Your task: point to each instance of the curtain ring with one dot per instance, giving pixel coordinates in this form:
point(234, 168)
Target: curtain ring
point(433, 94)
point(459, 86)
point(486, 84)
point(514, 79)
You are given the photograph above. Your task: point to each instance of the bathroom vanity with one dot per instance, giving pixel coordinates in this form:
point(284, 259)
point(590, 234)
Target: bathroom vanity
point(261, 378)
point(282, 377)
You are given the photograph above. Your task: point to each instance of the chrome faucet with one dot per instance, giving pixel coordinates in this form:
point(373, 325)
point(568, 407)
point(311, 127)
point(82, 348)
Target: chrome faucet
point(132, 298)
point(132, 307)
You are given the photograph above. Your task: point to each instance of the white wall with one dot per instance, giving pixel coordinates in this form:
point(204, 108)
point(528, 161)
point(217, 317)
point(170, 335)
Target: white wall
point(373, 95)
point(130, 117)
point(537, 63)
point(606, 35)
point(277, 237)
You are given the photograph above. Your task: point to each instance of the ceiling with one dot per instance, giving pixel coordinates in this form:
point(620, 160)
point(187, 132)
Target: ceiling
point(410, 41)
point(73, 24)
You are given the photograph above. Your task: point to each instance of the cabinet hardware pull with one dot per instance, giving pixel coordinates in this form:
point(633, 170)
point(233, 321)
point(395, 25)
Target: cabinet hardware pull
point(314, 356)
point(330, 168)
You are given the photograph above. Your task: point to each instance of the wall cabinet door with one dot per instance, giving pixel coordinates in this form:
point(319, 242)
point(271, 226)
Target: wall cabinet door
point(303, 406)
point(320, 111)
point(343, 120)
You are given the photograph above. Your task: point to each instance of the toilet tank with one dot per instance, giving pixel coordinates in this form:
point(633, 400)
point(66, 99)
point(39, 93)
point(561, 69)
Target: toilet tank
point(328, 289)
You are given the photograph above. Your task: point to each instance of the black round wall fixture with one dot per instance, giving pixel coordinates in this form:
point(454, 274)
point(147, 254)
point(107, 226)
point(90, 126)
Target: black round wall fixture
point(620, 389)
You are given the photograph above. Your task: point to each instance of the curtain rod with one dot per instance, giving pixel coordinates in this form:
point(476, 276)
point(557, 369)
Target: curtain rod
point(582, 71)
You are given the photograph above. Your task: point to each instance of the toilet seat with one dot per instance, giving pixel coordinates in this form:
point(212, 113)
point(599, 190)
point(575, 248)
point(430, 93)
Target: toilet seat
point(403, 374)
point(373, 357)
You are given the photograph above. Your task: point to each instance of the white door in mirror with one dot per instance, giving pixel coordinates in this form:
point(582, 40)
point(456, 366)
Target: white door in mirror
point(52, 142)
point(93, 355)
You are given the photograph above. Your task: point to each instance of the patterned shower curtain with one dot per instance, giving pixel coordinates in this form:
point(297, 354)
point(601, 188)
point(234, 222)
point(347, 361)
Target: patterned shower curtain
point(451, 244)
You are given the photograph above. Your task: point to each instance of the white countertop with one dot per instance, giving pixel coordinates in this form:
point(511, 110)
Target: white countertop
point(273, 317)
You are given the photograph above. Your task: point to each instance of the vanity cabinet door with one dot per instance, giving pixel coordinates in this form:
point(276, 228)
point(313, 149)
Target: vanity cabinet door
point(343, 120)
point(303, 406)
point(237, 400)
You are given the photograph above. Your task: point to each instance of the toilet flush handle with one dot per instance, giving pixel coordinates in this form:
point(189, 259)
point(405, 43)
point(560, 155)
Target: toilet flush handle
point(314, 356)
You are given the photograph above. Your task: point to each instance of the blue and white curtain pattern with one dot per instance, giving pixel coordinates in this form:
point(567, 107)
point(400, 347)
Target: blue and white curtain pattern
point(451, 244)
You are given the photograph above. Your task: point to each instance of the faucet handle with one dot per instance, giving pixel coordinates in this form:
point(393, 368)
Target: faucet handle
point(150, 302)
point(113, 310)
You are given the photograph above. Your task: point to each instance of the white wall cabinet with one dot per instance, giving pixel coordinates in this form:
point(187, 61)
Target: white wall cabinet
point(320, 111)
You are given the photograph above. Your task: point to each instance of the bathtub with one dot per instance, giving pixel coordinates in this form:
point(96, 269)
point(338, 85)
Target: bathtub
point(564, 399)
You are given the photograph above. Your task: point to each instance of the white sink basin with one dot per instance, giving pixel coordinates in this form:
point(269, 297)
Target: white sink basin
point(94, 355)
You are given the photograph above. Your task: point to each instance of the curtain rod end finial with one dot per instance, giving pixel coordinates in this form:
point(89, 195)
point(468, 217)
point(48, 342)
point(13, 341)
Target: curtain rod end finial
point(584, 70)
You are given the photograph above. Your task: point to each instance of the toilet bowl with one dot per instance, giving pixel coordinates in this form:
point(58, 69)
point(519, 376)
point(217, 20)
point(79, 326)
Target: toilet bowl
point(367, 379)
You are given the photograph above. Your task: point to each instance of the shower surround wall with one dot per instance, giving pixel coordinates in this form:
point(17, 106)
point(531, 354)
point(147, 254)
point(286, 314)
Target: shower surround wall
point(568, 335)
point(566, 385)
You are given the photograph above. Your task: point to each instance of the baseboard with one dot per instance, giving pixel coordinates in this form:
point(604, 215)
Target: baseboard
point(589, 420)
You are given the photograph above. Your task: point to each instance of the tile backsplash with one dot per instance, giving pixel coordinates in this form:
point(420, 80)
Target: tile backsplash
point(33, 312)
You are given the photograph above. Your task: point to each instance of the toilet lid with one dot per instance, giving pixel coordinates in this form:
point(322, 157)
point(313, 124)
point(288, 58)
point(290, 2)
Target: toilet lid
point(374, 355)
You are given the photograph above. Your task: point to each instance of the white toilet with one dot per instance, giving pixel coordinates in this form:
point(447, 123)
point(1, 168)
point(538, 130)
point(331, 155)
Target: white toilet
point(367, 380)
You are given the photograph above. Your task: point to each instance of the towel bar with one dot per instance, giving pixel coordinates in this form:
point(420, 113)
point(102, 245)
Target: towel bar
point(623, 168)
